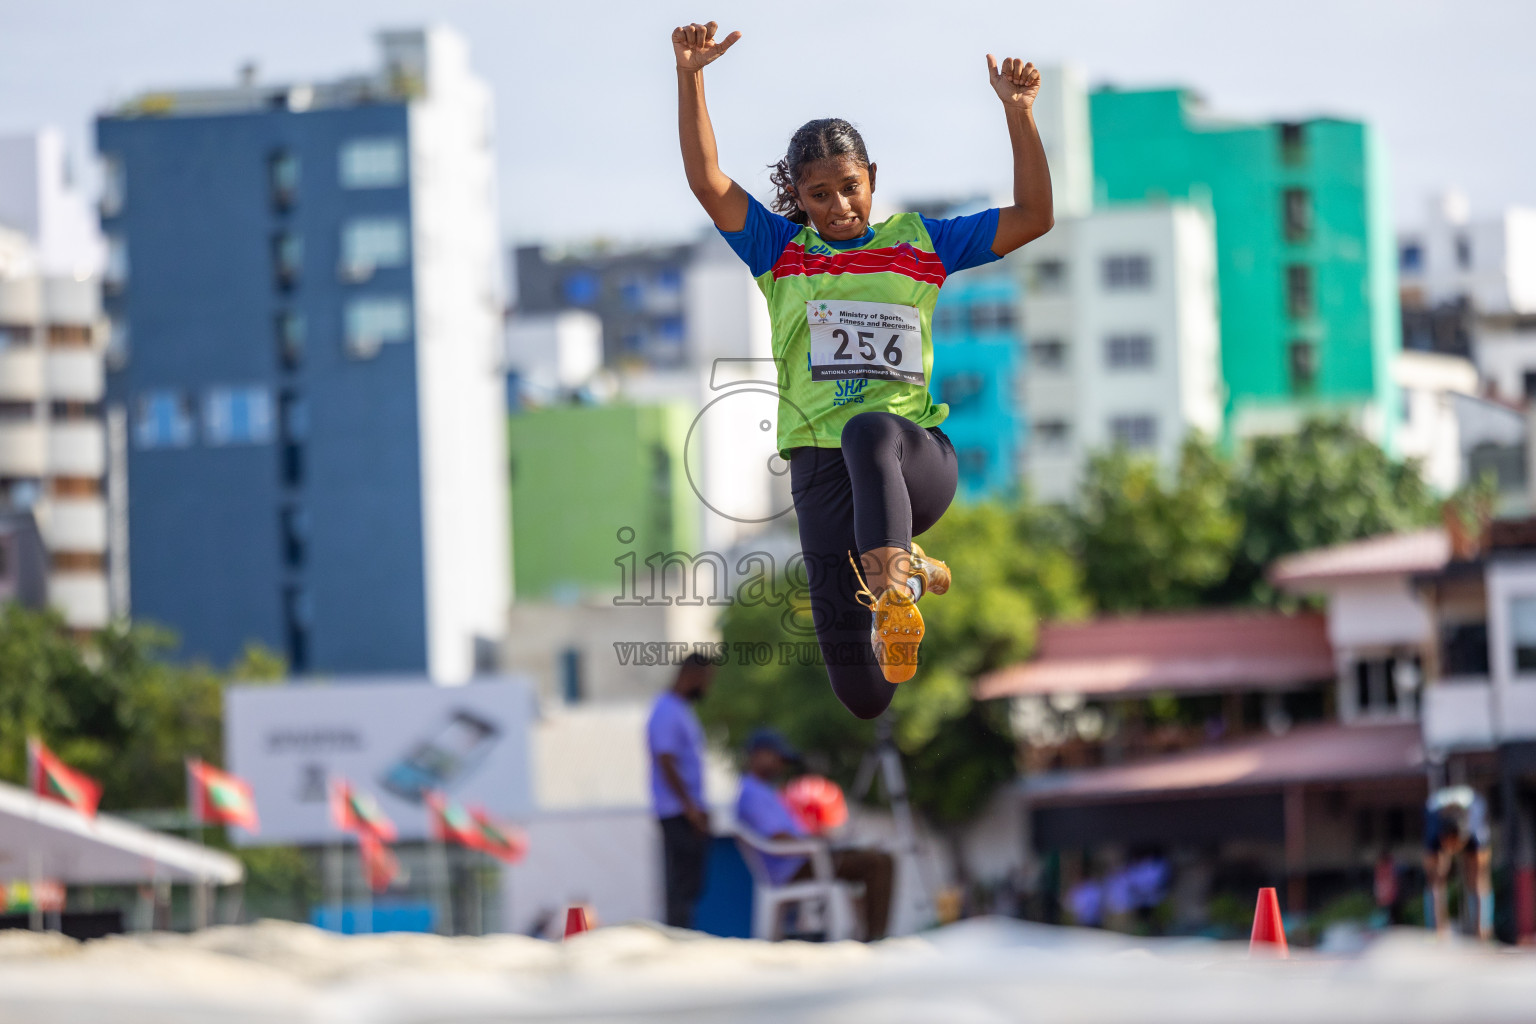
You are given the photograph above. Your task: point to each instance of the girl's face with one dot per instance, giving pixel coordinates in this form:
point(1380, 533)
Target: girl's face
point(835, 194)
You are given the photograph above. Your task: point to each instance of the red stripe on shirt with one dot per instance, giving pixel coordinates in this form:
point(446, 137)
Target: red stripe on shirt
point(905, 259)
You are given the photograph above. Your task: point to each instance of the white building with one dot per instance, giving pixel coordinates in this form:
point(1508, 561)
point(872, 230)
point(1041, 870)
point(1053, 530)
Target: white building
point(52, 338)
point(1124, 342)
point(1120, 313)
point(1479, 275)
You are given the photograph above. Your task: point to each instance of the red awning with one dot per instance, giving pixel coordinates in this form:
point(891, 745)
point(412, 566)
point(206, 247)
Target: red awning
point(1306, 754)
point(1200, 652)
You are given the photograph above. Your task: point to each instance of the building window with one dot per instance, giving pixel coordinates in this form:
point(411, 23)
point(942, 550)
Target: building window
point(1464, 649)
point(944, 318)
point(1048, 276)
point(571, 688)
point(164, 420)
point(992, 316)
point(1303, 360)
point(1128, 351)
point(1463, 252)
point(1134, 432)
point(373, 163)
point(114, 182)
point(1297, 214)
point(1299, 300)
point(298, 616)
point(371, 242)
point(1052, 435)
point(74, 411)
point(375, 320)
point(1528, 382)
point(973, 466)
point(17, 411)
point(1048, 355)
point(1522, 632)
point(69, 336)
point(283, 175)
point(1127, 271)
point(295, 521)
point(1293, 142)
point(114, 277)
point(293, 416)
point(1410, 258)
point(287, 258)
point(962, 390)
point(580, 288)
point(14, 337)
point(292, 330)
point(118, 348)
point(237, 416)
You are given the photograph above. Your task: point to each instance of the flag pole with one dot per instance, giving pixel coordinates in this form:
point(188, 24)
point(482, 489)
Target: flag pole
point(445, 880)
point(365, 916)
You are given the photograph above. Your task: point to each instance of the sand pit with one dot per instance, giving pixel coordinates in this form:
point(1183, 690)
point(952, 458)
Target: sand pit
point(975, 973)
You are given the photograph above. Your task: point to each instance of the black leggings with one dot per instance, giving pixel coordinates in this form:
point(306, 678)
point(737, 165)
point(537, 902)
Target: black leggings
point(890, 480)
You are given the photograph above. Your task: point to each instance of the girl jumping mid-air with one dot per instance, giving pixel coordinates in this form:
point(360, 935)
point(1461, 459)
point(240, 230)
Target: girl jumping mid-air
point(852, 305)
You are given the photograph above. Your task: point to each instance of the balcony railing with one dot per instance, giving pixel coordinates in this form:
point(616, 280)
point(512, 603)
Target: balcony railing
point(74, 524)
point(23, 449)
point(74, 375)
point(21, 374)
point(81, 597)
point(76, 449)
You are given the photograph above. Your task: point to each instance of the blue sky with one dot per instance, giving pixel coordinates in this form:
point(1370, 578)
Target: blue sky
point(585, 88)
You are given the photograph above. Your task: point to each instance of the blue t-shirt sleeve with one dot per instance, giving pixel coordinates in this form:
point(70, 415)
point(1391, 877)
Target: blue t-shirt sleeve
point(667, 733)
point(761, 809)
point(763, 237)
point(964, 242)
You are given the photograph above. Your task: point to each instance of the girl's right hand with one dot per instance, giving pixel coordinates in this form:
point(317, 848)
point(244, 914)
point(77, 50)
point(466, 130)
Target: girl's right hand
point(694, 45)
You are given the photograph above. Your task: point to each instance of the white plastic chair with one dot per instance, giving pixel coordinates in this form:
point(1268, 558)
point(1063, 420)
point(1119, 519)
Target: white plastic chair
point(825, 903)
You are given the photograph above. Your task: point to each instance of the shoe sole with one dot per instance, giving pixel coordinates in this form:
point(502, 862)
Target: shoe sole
point(896, 634)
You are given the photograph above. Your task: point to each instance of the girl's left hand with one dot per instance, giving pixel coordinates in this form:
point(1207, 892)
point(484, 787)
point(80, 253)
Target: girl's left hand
point(1017, 83)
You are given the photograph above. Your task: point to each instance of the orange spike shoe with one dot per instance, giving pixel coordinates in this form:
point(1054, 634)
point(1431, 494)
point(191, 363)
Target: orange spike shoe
point(897, 630)
point(934, 573)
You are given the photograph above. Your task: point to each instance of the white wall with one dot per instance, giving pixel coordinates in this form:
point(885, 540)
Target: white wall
point(39, 197)
point(552, 352)
point(1514, 691)
point(1501, 277)
point(1180, 390)
point(1377, 611)
point(461, 392)
point(1431, 431)
point(1061, 113)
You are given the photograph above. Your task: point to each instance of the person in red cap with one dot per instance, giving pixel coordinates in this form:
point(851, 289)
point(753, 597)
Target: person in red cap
point(760, 808)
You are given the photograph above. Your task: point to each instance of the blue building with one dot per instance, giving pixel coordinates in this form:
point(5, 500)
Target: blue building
point(978, 367)
point(304, 285)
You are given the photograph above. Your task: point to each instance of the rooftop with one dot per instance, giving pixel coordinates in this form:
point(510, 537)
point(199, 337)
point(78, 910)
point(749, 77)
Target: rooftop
point(1395, 554)
point(1310, 754)
point(1190, 652)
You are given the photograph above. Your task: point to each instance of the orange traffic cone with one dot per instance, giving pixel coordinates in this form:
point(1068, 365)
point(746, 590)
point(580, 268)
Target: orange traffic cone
point(578, 919)
point(1268, 938)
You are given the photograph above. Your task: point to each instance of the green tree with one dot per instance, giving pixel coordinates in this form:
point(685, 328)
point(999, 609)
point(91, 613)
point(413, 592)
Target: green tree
point(1148, 542)
point(1324, 484)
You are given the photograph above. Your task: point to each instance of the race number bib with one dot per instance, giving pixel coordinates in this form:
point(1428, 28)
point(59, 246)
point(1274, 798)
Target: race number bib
point(877, 340)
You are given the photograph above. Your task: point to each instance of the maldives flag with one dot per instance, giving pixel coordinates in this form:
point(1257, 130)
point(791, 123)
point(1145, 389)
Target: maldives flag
point(451, 823)
point(52, 778)
point(379, 864)
point(219, 798)
point(356, 811)
point(506, 843)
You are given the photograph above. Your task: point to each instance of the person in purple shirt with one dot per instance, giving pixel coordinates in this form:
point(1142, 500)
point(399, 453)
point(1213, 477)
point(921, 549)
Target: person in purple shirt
point(676, 743)
point(760, 808)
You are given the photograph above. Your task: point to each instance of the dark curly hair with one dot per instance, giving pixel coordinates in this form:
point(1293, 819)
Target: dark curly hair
point(820, 139)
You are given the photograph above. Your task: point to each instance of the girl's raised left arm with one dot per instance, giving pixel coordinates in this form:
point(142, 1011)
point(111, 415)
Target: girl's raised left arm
point(1017, 84)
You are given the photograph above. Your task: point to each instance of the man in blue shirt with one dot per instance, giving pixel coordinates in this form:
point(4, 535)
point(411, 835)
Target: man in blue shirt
point(676, 742)
point(760, 808)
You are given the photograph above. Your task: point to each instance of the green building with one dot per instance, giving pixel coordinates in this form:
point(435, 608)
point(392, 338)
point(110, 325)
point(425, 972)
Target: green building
point(1305, 249)
point(593, 483)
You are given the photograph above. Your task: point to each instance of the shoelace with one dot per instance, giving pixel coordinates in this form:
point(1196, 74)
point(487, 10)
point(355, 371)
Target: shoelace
point(863, 595)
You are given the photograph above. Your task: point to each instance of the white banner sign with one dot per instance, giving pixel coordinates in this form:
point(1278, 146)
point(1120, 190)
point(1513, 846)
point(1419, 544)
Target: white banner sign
point(396, 740)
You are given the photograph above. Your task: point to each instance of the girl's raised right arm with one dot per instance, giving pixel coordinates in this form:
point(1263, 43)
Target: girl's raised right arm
point(695, 47)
